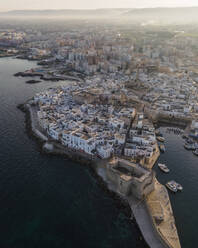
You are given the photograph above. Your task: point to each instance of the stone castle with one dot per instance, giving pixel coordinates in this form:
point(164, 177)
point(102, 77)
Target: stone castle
point(130, 178)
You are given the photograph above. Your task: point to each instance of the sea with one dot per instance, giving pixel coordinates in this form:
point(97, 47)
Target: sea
point(49, 201)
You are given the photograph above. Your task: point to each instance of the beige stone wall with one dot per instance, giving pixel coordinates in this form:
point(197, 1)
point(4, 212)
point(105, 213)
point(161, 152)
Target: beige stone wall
point(124, 187)
point(142, 189)
point(134, 186)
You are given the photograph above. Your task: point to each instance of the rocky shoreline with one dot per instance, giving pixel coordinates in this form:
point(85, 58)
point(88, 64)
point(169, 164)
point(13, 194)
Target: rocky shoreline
point(43, 77)
point(33, 81)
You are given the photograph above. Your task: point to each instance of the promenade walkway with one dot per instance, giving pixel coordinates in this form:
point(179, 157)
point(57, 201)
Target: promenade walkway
point(145, 224)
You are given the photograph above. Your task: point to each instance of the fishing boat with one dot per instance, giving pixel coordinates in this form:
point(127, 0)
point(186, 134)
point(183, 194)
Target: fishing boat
point(195, 152)
point(184, 136)
point(189, 141)
point(171, 186)
point(160, 138)
point(188, 146)
point(162, 148)
point(164, 168)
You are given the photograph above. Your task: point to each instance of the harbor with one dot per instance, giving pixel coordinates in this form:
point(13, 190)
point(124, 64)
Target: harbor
point(183, 169)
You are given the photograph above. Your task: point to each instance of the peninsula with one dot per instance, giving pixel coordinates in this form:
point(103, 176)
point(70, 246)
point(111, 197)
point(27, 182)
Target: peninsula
point(117, 139)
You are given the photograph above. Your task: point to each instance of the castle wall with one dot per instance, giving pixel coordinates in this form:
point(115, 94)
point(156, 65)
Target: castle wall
point(137, 186)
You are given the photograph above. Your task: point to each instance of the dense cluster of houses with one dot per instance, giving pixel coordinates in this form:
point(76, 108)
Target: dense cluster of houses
point(173, 95)
point(141, 143)
point(96, 129)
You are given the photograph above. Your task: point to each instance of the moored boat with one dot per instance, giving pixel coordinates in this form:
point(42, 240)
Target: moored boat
point(185, 136)
point(195, 152)
point(162, 148)
point(189, 141)
point(171, 186)
point(176, 185)
point(164, 168)
point(179, 187)
point(189, 147)
point(160, 138)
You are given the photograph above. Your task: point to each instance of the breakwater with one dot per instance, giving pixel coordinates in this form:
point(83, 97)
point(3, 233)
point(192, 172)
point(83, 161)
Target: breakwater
point(47, 78)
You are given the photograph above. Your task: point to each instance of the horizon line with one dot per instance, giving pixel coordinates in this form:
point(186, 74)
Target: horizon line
point(157, 7)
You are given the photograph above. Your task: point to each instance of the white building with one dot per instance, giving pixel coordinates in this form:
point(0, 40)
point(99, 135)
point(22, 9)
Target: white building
point(104, 151)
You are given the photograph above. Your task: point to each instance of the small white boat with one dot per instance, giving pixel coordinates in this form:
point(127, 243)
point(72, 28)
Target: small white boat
point(162, 148)
point(189, 147)
point(170, 185)
point(160, 138)
point(164, 168)
point(177, 185)
point(195, 152)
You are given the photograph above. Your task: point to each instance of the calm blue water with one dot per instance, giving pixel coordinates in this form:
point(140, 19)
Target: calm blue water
point(49, 201)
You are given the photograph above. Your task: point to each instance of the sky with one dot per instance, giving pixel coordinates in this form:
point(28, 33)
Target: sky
point(91, 4)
